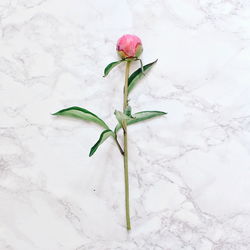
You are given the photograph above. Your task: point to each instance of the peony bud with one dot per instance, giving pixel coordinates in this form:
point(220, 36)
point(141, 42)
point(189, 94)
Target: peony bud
point(129, 46)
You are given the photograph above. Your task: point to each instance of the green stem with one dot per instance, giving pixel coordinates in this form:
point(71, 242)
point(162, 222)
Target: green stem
point(119, 146)
point(125, 148)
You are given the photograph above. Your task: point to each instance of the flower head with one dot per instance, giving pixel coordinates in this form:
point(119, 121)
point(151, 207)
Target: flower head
point(129, 46)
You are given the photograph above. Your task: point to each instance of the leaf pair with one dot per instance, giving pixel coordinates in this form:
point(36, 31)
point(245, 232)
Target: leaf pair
point(134, 77)
point(84, 114)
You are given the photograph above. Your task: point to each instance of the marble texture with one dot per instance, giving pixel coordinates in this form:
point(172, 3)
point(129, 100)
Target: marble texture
point(189, 171)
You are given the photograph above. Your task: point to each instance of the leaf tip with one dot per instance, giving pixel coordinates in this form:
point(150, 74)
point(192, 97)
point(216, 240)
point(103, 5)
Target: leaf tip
point(91, 152)
point(155, 61)
point(162, 113)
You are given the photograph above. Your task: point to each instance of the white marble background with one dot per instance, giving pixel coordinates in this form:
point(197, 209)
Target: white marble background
point(189, 171)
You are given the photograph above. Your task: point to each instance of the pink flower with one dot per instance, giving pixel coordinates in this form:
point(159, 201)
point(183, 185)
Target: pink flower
point(129, 46)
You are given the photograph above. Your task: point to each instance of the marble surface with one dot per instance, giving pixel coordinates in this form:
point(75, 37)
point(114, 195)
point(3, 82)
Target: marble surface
point(189, 171)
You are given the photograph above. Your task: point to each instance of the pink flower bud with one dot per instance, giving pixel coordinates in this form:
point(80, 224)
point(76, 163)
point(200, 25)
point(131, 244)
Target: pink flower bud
point(129, 46)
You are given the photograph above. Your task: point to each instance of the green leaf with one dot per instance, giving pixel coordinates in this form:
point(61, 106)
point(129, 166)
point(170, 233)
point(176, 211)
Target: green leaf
point(104, 135)
point(83, 114)
point(141, 116)
point(132, 80)
point(110, 67)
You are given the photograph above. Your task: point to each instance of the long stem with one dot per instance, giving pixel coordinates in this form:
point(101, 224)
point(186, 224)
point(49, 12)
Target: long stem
point(125, 148)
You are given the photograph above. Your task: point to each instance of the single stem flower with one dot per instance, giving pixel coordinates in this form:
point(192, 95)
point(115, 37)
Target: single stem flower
point(129, 48)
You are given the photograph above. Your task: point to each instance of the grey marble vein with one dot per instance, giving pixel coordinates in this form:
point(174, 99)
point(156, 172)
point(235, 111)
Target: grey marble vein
point(189, 171)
